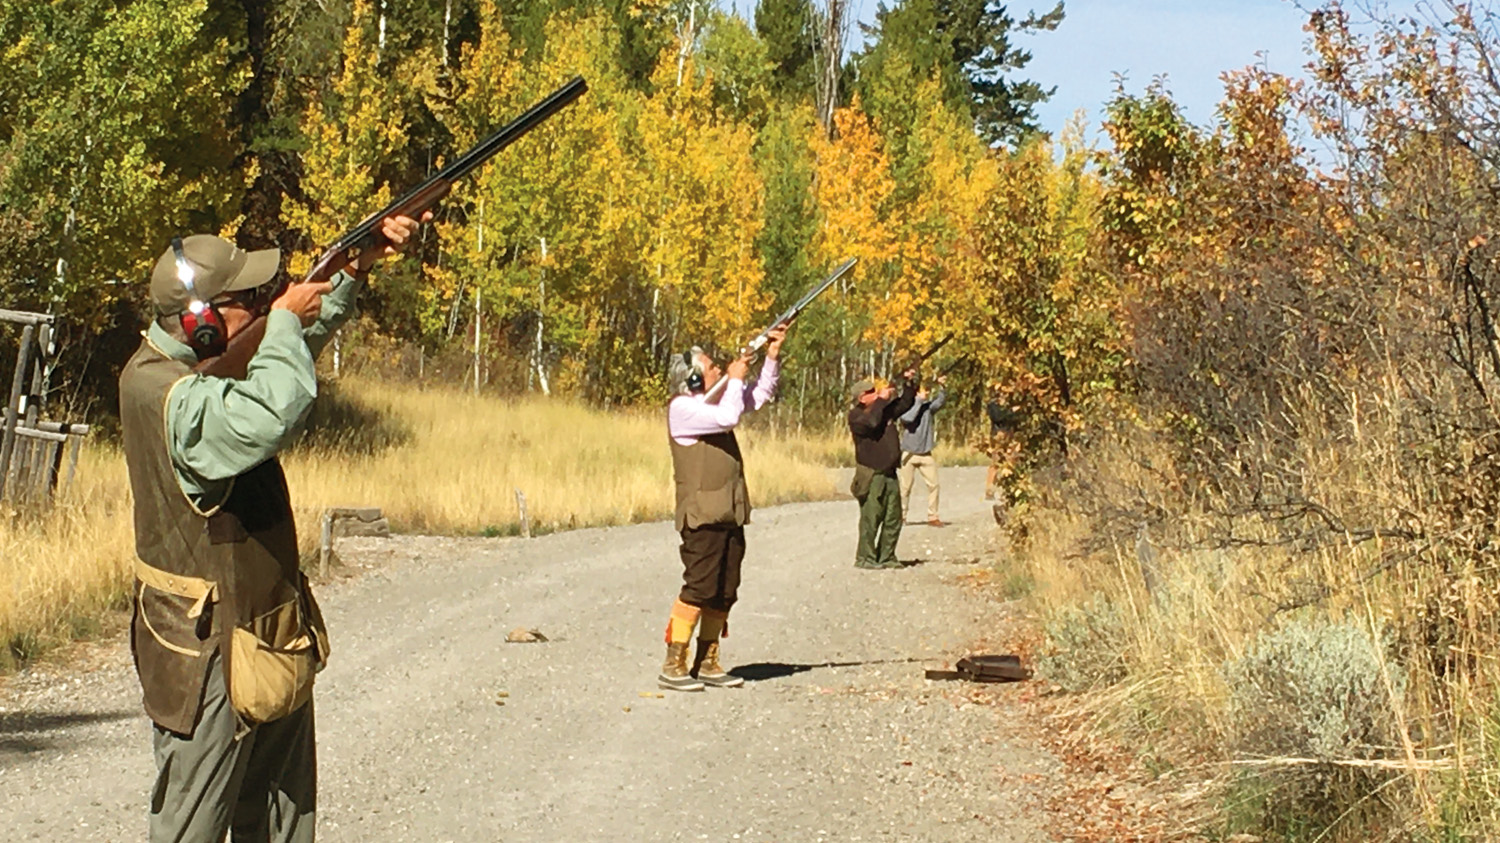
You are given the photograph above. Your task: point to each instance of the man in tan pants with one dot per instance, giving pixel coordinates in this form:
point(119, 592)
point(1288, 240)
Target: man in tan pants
point(918, 438)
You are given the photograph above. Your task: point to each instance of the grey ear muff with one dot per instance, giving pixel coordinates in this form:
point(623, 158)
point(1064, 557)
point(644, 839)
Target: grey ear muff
point(694, 380)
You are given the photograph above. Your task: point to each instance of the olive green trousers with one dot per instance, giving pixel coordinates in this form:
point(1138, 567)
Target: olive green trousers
point(879, 523)
point(260, 786)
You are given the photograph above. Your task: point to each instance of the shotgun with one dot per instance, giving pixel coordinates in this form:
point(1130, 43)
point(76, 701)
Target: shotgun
point(367, 235)
point(784, 319)
point(954, 365)
point(938, 346)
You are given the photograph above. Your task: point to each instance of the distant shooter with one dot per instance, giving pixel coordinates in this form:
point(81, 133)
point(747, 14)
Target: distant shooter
point(918, 440)
point(877, 455)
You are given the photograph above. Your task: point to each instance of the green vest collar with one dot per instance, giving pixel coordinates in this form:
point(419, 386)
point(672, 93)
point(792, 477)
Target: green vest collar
point(169, 345)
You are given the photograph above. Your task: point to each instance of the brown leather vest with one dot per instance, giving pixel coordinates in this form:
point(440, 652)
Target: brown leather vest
point(710, 478)
point(244, 545)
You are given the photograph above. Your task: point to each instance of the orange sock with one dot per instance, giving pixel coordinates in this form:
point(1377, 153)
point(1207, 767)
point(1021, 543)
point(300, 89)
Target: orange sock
point(715, 625)
point(684, 618)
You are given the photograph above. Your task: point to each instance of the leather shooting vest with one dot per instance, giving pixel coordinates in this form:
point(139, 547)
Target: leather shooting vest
point(201, 571)
point(710, 479)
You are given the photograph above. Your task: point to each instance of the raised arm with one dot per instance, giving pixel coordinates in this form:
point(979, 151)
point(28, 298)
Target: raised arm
point(906, 399)
point(218, 428)
point(688, 416)
point(912, 416)
point(339, 306)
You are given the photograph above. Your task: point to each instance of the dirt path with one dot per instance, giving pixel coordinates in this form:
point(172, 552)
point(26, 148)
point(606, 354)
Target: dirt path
point(836, 737)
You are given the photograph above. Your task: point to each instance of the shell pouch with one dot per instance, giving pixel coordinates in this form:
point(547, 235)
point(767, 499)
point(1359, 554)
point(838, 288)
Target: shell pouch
point(274, 657)
point(859, 487)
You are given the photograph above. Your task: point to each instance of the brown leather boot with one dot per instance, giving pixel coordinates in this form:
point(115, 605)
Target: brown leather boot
point(674, 671)
point(708, 670)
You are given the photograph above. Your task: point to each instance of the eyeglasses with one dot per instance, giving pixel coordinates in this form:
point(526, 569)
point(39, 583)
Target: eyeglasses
point(256, 300)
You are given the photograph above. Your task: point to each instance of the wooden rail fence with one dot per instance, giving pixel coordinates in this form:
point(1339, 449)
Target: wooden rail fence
point(32, 451)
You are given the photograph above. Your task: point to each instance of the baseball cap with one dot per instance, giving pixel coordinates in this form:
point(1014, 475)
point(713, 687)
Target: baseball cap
point(861, 387)
point(218, 266)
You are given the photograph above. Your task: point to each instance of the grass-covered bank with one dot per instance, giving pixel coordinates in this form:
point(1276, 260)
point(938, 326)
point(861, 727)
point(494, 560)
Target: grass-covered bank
point(437, 460)
point(1318, 684)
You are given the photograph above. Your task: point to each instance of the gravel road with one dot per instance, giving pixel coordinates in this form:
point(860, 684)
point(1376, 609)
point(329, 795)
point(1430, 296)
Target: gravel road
point(433, 728)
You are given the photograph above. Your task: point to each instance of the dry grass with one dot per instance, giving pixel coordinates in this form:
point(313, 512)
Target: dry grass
point(435, 461)
point(63, 572)
point(1151, 628)
point(465, 457)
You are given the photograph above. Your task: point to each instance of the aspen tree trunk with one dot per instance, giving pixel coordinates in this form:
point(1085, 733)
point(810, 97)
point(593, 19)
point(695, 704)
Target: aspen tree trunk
point(380, 40)
point(686, 39)
point(541, 308)
point(447, 22)
point(835, 23)
point(478, 298)
point(655, 333)
point(478, 332)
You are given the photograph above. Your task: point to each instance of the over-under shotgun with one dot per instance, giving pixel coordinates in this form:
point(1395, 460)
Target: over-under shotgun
point(368, 235)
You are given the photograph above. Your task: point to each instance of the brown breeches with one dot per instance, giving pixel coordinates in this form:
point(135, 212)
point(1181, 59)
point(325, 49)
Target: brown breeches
point(711, 558)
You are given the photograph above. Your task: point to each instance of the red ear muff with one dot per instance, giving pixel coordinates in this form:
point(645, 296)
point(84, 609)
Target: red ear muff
point(200, 320)
point(205, 331)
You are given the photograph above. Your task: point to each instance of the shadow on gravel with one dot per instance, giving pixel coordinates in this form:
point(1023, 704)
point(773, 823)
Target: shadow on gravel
point(761, 671)
point(26, 732)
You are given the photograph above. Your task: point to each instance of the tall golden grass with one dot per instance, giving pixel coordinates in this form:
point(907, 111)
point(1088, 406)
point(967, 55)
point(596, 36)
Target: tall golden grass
point(464, 457)
point(436, 460)
point(61, 573)
point(1153, 624)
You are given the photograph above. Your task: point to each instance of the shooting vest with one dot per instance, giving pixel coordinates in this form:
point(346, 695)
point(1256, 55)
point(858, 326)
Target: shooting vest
point(223, 579)
point(710, 478)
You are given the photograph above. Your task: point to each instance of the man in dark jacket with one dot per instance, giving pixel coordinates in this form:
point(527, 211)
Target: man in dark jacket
point(877, 456)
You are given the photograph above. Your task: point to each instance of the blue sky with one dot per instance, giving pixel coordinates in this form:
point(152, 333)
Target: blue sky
point(1192, 42)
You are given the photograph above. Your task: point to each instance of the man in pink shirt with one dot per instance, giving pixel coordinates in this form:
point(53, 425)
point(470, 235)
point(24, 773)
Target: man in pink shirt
point(713, 505)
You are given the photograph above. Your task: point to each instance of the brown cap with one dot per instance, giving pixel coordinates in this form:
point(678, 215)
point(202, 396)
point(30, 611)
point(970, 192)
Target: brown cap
point(860, 388)
point(217, 266)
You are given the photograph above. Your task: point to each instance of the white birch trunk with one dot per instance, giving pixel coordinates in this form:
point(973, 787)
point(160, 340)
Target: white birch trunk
point(479, 299)
point(447, 22)
point(686, 40)
point(478, 333)
point(541, 309)
point(380, 6)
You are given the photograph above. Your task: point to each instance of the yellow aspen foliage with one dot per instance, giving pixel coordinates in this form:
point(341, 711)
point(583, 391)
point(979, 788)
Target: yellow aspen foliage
point(703, 198)
point(469, 228)
point(935, 225)
point(851, 185)
point(360, 127)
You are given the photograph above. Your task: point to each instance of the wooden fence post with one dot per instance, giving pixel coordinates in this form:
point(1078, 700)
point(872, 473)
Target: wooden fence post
point(525, 520)
point(12, 409)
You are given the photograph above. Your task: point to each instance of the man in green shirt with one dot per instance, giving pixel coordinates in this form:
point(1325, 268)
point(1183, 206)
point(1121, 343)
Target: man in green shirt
point(226, 636)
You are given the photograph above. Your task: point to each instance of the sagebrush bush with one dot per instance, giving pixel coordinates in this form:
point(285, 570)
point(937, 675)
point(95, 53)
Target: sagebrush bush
point(1088, 646)
point(1313, 698)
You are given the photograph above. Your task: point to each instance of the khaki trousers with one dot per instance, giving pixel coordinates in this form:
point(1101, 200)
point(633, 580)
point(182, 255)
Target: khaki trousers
point(260, 786)
point(910, 465)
